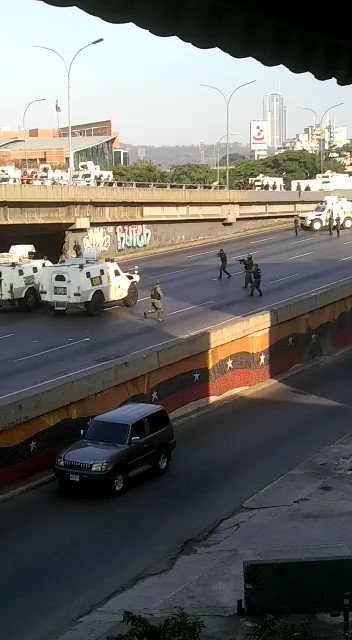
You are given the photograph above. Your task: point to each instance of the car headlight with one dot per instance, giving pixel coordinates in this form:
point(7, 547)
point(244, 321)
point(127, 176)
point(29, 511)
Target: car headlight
point(99, 466)
point(59, 462)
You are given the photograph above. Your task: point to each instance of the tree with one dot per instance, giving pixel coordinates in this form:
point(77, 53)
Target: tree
point(140, 172)
point(233, 158)
point(192, 174)
point(179, 626)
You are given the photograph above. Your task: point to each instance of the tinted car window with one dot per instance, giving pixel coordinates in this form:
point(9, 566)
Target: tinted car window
point(138, 430)
point(158, 420)
point(110, 432)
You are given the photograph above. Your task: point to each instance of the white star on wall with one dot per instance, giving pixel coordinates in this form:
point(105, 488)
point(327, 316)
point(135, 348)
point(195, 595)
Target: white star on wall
point(196, 376)
point(262, 359)
point(33, 445)
point(229, 364)
point(154, 396)
point(290, 341)
point(314, 337)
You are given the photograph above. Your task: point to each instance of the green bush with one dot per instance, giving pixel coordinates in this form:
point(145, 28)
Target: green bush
point(179, 626)
point(271, 628)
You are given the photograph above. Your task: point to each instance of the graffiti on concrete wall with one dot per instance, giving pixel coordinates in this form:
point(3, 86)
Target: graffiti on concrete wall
point(133, 236)
point(97, 237)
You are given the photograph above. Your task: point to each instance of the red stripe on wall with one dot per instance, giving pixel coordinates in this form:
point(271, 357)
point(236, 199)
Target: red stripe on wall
point(38, 463)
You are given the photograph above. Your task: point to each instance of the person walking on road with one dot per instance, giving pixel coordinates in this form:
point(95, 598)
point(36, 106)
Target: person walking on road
point(257, 277)
point(296, 225)
point(331, 223)
point(223, 264)
point(156, 305)
point(338, 225)
point(248, 271)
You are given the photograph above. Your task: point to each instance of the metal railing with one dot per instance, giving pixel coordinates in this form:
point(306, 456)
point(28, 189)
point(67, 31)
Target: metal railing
point(110, 183)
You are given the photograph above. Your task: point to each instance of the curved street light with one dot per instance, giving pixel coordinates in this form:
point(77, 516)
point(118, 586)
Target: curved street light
point(24, 125)
point(68, 67)
point(320, 120)
point(227, 102)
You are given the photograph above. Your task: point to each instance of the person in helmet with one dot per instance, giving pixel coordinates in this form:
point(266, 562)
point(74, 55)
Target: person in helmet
point(156, 305)
point(248, 270)
point(257, 277)
point(223, 264)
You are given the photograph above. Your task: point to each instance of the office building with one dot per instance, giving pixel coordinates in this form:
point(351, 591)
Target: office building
point(274, 112)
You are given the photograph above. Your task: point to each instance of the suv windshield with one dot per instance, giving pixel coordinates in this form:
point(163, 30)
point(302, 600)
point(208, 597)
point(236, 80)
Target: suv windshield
point(110, 432)
point(320, 207)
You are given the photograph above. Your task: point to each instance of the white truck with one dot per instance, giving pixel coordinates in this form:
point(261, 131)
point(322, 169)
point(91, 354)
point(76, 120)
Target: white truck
point(19, 278)
point(87, 283)
point(90, 174)
point(318, 218)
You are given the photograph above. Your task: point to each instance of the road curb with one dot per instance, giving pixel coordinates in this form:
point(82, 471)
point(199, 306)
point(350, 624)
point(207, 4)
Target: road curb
point(25, 487)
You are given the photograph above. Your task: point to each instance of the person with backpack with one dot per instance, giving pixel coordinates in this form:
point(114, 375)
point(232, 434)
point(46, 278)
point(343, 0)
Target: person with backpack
point(257, 277)
point(156, 305)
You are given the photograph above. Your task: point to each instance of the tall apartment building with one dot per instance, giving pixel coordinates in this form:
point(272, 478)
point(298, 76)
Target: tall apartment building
point(274, 112)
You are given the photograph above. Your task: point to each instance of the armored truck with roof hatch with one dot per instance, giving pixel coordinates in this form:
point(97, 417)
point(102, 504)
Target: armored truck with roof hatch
point(19, 280)
point(319, 217)
point(87, 283)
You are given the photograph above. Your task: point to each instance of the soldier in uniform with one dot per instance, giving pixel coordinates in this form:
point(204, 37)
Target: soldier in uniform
point(223, 266)
point(156, 305)
point(296, 224)
point(338, 225)
point(257, 277)
point(248, 270)
point(77, 249)
point(331, 222)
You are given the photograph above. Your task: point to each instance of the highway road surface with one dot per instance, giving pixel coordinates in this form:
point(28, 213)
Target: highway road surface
point(60, 557)
point(38, 350)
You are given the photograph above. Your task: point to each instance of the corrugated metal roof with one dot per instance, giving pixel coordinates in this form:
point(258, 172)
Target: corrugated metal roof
point(37, 144)
point(301, 35)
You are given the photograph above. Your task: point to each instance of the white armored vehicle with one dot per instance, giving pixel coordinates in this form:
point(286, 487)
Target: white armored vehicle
point(319, 217)
point(19, 278)
point(87, 283)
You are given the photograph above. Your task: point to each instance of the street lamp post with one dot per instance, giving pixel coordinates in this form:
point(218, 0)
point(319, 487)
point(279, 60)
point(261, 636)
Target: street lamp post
point(227, 103)
point(320, 120)
point(218, 152)
point(68, 67)
point(24, 125)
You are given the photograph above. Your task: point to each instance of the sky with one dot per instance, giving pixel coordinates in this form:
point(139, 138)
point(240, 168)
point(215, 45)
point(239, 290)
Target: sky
point(148, 86)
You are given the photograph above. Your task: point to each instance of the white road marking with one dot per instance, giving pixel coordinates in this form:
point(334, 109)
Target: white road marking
point(93, 366)
point(348, 258)
point(294, 275)
point(248, 253)
point(300, 255)
point(349, 242)
point(118, 306)
point(202, 304)
point(266, 308)
point(171, 273)
point(298, 241)
point(8, 335)
point(263, 240)
point(41, 353)
point(195, 255)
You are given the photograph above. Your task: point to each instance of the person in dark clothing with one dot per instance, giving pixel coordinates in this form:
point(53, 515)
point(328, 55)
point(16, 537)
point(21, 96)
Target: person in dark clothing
point(331, 223)
point(257, 277)
point(296, 224)
point(223, 260)
point(77, 249)
point(338, 225)
point(248, 270)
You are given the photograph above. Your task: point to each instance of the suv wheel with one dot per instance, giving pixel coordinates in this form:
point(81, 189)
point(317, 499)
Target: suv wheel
point(118, 484)
point(132, 296)
point(162, 461)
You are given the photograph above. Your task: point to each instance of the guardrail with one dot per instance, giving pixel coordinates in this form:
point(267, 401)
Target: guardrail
point(111, 183)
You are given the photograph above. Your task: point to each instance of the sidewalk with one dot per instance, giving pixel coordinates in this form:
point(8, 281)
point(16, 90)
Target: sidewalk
point(307, 512)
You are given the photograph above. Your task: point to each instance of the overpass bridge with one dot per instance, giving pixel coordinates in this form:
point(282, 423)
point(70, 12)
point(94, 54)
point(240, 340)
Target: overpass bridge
point(142, 217)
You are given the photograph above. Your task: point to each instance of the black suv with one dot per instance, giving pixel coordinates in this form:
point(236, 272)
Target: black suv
point(116, 446)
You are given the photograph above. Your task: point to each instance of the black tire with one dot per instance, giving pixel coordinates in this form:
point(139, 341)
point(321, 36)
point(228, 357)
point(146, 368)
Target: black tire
point(118, 483)
point(95, 306)
point(132, 296)
point(29, 301)
point(316, 225)
point(347, 223)
point(162, 461)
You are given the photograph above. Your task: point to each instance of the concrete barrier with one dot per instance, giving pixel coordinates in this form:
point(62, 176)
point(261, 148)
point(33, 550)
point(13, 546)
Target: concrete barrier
point(187, 374)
